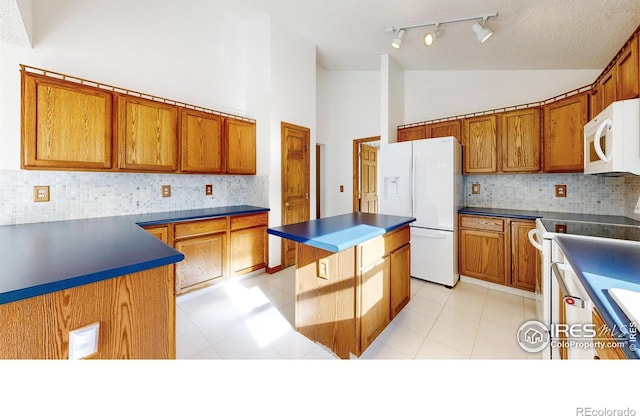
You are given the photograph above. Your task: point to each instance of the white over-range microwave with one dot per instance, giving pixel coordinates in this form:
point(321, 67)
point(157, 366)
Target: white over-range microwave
point(612, 140)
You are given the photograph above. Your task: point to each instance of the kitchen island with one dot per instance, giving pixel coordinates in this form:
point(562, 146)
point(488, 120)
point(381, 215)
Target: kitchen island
point(352, 277)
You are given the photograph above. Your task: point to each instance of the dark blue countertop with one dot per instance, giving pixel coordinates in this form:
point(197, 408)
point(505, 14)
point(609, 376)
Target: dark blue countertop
point(561, 216)
point(601, 265)
point(41, 258)
point(342, 231)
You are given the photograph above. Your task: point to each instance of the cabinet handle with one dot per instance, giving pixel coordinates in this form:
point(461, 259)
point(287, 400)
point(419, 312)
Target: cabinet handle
point(567, 298)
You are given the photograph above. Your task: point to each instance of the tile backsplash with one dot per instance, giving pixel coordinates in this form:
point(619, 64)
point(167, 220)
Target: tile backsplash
point(586, 194)
point(77, 195)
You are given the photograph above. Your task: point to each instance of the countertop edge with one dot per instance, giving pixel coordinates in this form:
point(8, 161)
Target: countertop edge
point(159, 253)
point(39, 290)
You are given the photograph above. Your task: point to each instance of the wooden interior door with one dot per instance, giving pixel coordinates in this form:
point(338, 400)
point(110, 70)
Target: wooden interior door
point(368, 178)
point(295, 182)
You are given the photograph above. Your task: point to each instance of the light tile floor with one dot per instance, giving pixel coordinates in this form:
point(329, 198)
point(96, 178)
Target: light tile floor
point(253, 318)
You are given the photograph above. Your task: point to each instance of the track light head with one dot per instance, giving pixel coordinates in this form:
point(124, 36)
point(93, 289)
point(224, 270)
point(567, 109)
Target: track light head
point(432, 35)
point(482, 33)
point(398, 40)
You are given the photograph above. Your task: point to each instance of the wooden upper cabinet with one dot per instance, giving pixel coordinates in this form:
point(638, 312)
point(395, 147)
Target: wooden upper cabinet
point(240, 143)
point(480, 141)
point(607, 87)
point(412, 133)
point(64, 124)
point(147, 135)
point(564, 121)
point(446, 129)
point(520, 139)
point(202, 149)
point(628, 80)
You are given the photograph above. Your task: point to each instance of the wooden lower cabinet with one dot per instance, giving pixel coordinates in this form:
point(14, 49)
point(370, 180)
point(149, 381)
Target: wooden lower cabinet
point(248, 243)
point(375, 300)
point(604, 335)
point(400, 279)
point(204, 261)
point(525, 258)
point(497, 250)
point(366, 287)
point(216, 249)
point(136, 313)
point(482, 255)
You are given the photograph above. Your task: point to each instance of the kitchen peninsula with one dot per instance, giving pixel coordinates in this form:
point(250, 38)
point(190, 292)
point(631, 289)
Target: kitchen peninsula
point(60, 276)
point(352, 277)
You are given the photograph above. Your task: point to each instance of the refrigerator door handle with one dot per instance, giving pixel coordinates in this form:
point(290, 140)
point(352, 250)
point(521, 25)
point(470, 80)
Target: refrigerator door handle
point(435, 234)
point(413, 182)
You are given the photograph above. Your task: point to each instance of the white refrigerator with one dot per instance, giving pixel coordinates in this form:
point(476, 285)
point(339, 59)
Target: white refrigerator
point(423, 179)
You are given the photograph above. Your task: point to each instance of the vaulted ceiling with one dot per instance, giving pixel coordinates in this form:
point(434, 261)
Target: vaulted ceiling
point(529, 34)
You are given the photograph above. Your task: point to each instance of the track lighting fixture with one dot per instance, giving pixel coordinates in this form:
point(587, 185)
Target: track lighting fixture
point(398, 40)
point(481, 31)
point(429, 37)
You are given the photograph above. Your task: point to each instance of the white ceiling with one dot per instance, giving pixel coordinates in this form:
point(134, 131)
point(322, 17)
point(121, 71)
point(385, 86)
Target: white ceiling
point(529, 34)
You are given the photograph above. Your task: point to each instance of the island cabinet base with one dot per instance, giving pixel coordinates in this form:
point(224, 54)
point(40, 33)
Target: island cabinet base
point(136, 313)
point(344, 300)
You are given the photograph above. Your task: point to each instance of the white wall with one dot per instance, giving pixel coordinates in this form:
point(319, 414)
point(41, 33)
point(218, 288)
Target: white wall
point(348, 109)
point(292, 99)
point(437, 94)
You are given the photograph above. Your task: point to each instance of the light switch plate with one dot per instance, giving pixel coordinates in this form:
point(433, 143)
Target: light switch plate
point(323, 268)
point(475, 188)
point(83, 342)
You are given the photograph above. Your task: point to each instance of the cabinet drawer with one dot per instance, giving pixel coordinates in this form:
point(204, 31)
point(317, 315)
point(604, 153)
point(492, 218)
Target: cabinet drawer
point(396, 239)
point(202, 227)
point(482, 223)
point(373, 250)
point(246, 221)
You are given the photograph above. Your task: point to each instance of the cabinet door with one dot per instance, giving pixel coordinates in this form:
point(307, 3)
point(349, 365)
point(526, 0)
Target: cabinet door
point(564, 121)
point(480, 141)
point(400, 279)
point(240, 147)
point(65, 125)
point(201, 141)
point(520, 138)
point(595, 102)
point(525, 258)
point(147, 135)
point(608, 85)
point(160, 232)
point(204, 261)
point(628, 72)
point(446, 129)
point(482, 255)
point(248, 250)
point(412, 133)
point(374, 301)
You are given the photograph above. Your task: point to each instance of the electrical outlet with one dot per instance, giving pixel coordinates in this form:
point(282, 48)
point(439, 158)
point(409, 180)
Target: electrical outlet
point(40, 194)
point(323, 268)
point(637, 209)
point(561, 191)
point(208, 189)
point(166, 191)
point(475, 188)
